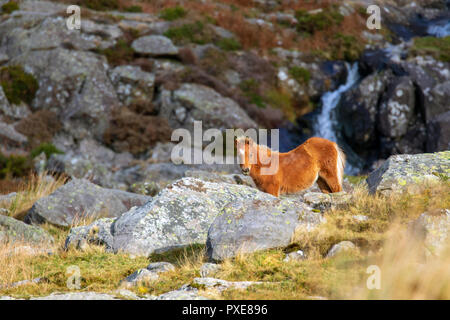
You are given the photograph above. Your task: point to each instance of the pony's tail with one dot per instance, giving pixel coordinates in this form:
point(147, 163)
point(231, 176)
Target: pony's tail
point(340, 163)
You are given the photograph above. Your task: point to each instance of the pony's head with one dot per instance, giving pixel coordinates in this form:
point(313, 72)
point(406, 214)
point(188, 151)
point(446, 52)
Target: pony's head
point(247, 153)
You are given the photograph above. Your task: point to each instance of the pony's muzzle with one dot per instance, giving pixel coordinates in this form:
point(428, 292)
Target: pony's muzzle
point(246, 171)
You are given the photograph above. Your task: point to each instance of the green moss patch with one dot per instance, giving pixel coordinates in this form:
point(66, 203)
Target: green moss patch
point(174, 13)
point(310, 23)
point(439, 48)
point(18, 85)
point(195, 32)
point(300, 74)
point(9, 7)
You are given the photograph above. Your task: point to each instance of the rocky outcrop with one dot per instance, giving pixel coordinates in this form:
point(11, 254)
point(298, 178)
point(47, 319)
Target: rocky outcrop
point(252, 225)
point(79, 200)
point(179, 215)
point(12, 230)
point(404, 172)
point(193, 102)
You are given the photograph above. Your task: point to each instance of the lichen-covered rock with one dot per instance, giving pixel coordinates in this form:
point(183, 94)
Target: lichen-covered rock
point(179, 215)
point(358, 109)
point(221, 285)
point(397, 108)
point(77, 296)
point(97, 233)
point(80, 199)
point(184, 293)
point(400, 172)
point(160, 267)
point(338, 248)
point(433, 230)
point(208, 269)
point(257, 224)
point(12, 230)
point(154, 45)
point(142, 276)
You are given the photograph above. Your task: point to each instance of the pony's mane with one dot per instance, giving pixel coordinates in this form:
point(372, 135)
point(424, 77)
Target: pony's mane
point(261, 147)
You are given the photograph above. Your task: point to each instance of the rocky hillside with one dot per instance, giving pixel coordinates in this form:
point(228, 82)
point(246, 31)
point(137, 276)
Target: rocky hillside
point(88, 188)
point(102, 101)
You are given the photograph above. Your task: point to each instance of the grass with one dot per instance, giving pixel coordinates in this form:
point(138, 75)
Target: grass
point(439, 48)
point(301, 75)
point(173, 13)
point(381, 239)
point(35, 187)
point(311, 23)
point(121, 53)
point(195, 32)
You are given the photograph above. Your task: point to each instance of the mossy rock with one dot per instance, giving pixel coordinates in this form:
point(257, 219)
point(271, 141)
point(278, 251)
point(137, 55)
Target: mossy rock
point(12, 230)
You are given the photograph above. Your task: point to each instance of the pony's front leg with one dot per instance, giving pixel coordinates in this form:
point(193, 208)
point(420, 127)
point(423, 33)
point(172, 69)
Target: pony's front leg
point(273, 189)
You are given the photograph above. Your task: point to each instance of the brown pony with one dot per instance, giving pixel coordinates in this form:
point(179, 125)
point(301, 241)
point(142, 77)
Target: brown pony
point(317, 159)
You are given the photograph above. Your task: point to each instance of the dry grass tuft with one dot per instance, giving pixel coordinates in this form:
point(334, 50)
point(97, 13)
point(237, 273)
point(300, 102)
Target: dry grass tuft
point(30, 190)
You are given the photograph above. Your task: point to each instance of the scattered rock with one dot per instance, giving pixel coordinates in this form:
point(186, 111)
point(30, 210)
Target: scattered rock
point(142, 276)
point(160, 267)
point(97, 233)
point(295, 256)
point(181, 295)
point(340, 247)
point(76, 296)
point(404, 172)
point(154, 46)
point(222, 285)
point(208, 269)
point(323, 201)
point(80, 199)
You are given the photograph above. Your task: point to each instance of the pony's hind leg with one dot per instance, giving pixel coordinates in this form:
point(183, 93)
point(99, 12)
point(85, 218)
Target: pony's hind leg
point(323, 186)
point(332, 179)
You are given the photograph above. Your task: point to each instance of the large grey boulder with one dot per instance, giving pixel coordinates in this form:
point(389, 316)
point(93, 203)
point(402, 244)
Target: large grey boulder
point(154, 45)
point(12, 230)
point(400, 172)
point(257, 224)
point(192, 102)
point(80, 199)
point(179, 215)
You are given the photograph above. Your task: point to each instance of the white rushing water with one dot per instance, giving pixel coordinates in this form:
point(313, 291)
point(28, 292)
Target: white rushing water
point(326, 121)
point(440, 29)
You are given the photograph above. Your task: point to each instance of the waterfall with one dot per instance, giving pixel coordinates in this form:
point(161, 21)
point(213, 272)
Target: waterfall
point(325, 124)
point(440, 29)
